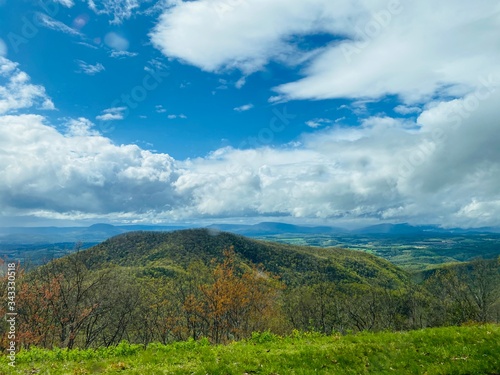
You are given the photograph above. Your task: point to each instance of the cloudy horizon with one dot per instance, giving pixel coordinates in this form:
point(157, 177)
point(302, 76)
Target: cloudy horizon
point(315, 112)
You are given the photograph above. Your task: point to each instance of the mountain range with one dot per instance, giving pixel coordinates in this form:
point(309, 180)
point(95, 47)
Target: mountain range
point(169, 253)
point(101, 232)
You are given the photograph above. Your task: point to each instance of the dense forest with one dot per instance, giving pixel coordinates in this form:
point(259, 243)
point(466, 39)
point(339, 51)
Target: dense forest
point(149, 287)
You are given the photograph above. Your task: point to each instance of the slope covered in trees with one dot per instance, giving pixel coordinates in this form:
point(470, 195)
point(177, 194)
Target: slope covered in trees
point(174, 251)
point(164, 287)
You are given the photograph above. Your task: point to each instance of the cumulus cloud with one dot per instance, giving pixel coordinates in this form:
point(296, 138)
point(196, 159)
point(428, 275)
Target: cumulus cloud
point(80, 127)
point(384, 170)
point(406, 110)
point(17, 92)
point(89, 69)
point(49, 174)
point(187, 30)
point(441, 168)
point(378, 47)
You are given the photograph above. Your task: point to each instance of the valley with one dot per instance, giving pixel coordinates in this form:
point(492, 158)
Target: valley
point(412, 248)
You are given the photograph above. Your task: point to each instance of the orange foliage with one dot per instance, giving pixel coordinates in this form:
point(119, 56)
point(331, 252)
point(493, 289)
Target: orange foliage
point(235, 304)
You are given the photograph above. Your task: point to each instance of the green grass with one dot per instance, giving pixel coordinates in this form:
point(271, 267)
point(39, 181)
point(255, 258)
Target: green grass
point(450, 350)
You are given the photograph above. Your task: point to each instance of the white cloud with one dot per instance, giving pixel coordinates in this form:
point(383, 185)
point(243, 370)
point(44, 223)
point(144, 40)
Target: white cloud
point(66, 3)
point(442, 168)
point(80, 127)
point(317, 122)
point(444, 172)
point(111, 114)
point(87, 45)
point(17, 92)
point(244, 108)
point(110, 117)
point(172, 117)
point(188, 30)
point(89, 68)
point(382, 47)
point(380, 171)
point(159, 109)
point(158, 7)
point(48, 174)
point(53, 24)
point(120, 10)
point(222, 85)
point(241, 82)
point(406, 110)
point(358, 107)
point(276, 99)
point(119, 54)
point(155, 65)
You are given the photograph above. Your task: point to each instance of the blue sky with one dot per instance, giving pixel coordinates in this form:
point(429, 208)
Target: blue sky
point(315, 111)
point(205, 105)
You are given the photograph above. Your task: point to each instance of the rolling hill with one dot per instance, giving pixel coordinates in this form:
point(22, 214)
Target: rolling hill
point(174, 251)
point(171, 286)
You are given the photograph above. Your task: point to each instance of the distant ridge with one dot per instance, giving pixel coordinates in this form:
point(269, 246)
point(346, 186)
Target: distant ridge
point(95, 233)
point(401, 229)
point(276, 228)
point(395, 229)
point(100, 232)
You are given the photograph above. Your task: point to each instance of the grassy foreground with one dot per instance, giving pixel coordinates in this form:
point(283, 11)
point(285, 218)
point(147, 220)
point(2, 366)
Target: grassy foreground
point(450, 350)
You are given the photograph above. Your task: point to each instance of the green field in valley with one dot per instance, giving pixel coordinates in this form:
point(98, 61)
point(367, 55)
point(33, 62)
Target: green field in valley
point(413, 252)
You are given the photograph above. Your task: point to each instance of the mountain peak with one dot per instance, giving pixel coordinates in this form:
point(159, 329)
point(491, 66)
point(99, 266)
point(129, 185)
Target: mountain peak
point(292, 263)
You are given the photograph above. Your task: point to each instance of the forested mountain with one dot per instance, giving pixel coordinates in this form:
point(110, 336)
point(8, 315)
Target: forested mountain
point(174, 251)
point(152, 286)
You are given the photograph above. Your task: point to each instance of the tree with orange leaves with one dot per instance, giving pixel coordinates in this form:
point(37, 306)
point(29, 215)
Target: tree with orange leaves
point(236, 302)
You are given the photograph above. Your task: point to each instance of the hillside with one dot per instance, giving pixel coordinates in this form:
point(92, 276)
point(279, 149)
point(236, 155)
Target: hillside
point(167, 287)
point(176, 250)
point(413, 248)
